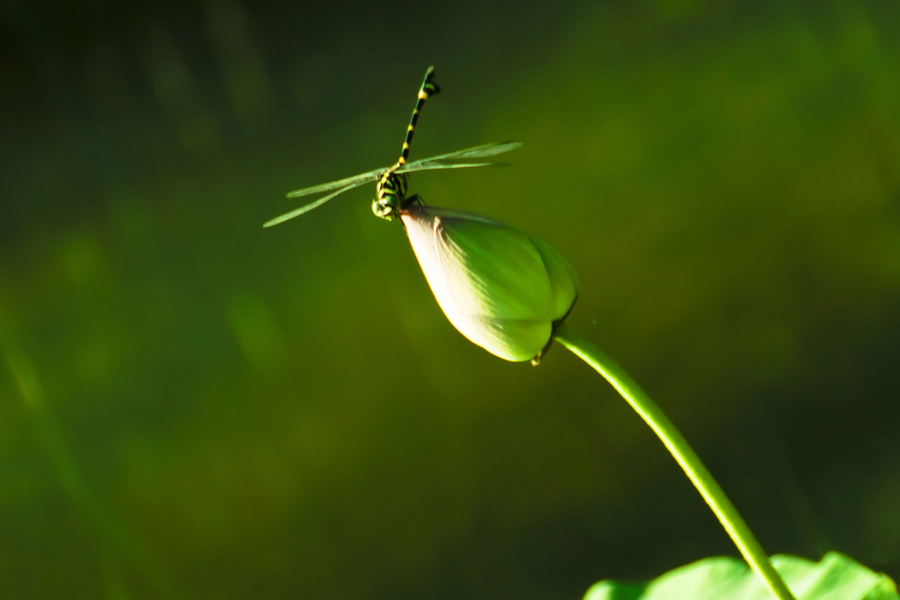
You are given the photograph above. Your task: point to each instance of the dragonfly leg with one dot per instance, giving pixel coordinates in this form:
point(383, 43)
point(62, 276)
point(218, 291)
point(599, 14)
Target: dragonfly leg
point(414, 199)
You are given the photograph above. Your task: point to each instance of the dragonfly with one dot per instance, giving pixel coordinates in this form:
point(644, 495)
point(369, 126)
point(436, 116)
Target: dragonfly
point(393, 181)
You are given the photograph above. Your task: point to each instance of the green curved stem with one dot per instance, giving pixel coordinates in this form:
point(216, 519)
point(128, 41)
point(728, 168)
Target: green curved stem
point(679, 448)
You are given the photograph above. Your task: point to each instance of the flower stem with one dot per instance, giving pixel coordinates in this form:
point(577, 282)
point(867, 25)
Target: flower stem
point(680, 449)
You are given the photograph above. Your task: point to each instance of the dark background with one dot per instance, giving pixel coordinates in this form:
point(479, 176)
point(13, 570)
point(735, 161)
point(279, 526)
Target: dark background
point(194, 407)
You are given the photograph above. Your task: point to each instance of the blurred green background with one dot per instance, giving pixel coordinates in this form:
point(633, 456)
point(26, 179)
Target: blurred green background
point(194, 407)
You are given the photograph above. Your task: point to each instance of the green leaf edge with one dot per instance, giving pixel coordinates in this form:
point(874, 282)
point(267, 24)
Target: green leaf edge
point(725, 577)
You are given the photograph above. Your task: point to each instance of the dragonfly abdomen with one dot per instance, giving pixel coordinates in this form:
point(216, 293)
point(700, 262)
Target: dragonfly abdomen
point(429, 88)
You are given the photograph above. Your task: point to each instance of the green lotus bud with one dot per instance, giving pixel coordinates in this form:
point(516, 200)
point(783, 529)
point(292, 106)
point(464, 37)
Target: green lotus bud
point(503, 289)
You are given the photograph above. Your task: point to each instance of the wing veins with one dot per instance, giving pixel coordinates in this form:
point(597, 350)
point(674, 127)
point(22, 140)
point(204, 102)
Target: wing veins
point(476, 152)
point(308, 207)
point(430, 166)
point(327, 187)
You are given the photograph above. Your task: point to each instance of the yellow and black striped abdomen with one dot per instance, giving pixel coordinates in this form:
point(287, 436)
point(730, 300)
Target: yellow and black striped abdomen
point(429, 88)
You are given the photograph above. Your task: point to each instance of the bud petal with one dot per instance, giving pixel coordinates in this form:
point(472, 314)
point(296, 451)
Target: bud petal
point(501, 288)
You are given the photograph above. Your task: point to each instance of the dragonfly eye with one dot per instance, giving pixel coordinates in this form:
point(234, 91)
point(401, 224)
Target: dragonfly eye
point(385, 208)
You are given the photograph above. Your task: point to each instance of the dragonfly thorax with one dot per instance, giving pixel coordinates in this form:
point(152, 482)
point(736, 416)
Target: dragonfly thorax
point(391, 190)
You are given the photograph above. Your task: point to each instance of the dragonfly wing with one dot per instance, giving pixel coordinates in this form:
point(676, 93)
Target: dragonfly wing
point(327, 187)
point(431, 165)
point(476, 152)
point(308, 207)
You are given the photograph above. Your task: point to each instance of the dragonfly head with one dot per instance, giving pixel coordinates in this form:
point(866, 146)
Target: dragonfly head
point(386, 207)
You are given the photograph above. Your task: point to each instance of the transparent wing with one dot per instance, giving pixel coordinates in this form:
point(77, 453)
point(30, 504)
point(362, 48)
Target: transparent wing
point(308, 207)
point(431, 165)
point(476, 152)
point(349, 181)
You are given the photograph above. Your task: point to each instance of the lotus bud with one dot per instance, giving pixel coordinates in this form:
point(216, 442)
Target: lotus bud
point(503, 289)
